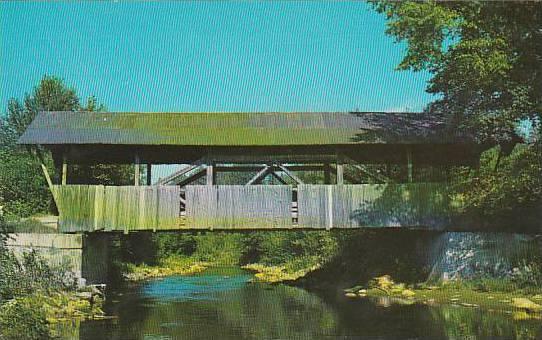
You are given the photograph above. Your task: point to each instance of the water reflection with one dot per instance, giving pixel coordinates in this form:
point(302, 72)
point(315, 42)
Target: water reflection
point(223, 304)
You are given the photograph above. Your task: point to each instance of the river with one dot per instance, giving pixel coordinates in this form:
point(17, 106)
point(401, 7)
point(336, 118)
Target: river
point(223, 303)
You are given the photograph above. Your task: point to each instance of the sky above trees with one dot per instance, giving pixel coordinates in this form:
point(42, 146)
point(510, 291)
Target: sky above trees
point(210, 56)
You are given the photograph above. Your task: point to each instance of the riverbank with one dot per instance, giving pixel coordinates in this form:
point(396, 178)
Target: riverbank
point(521, 304)
point(43, 311)
point(172, 265)
point(275, 274)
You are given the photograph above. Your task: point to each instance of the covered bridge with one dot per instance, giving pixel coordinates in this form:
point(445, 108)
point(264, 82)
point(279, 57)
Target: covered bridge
point(254, 170)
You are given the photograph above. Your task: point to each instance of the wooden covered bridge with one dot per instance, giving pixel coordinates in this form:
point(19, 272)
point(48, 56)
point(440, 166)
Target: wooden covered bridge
point(254, 170)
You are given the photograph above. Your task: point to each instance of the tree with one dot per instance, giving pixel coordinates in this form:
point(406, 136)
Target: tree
point(50, 95)
point(485, 58)
point(22, 186)
point(486, 64)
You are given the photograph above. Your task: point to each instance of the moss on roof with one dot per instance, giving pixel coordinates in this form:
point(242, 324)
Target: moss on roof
point(235, 129)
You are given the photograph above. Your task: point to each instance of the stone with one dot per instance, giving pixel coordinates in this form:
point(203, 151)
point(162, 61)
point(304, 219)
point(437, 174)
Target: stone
point(353, 289)
point(524, 303)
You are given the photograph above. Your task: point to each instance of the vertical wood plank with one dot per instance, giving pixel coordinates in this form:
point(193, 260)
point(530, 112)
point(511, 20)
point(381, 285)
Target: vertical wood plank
point(149, 174)
point(136, 169)
point(210, 174)
point(64, 169)
point(340, 173)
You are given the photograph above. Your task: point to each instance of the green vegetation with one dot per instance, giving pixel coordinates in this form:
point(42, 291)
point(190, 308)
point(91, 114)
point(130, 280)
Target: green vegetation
point(277, 255)
point(522, 304)
point(23, 189)
point(505, 193)
point(33, 295)
point(171, 265)
point(20, 319)
point(485, 61)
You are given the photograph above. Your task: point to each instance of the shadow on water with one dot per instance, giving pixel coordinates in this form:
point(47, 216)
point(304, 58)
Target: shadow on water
point(222, 303)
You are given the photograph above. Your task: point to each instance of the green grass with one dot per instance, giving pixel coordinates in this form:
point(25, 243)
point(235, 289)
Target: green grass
point(171, 265)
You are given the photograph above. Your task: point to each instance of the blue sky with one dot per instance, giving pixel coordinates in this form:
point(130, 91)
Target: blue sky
point(205, 56)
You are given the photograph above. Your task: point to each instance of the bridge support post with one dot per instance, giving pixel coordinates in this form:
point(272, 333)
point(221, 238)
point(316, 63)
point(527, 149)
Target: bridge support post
point(340, 172)
point(210, 174)
point(86, 256)
point(136, 169)
point(149, 174)
point(409, 164)
point(64, 169)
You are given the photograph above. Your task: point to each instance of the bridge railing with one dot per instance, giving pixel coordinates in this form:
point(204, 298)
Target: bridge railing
point(111, 208)
point(238, 206)
point(127, 208)
point(419, 205)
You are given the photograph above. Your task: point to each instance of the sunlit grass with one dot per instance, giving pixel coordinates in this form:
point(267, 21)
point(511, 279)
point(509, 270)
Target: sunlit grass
point(171, 265)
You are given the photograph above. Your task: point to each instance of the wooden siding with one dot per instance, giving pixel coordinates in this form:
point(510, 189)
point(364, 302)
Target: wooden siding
point(238, 206)
point(418, 205)
point(86, 208)
point(111, 208)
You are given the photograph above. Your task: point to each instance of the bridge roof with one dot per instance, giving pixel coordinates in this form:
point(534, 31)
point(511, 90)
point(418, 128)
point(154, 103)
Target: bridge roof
point(238, 129)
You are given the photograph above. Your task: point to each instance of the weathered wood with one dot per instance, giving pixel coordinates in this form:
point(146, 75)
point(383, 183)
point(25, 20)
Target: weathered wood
point(378, 177)
point(47, 177)
point(258, 167)
point(282, 181)
point(111, 208)
point(260, 175)
point(418, 205)
point(64, 169)
point(290, 174)
point(340, 173)
point(238, 207)
point(136, 169)
point(327, 173)
point(210, 174)
point(37, 152)
point(149, 174)
point(202, 171)
point(87, 208)
point(177, 174)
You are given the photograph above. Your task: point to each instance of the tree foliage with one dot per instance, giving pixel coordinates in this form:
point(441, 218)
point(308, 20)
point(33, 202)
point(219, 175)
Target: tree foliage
point(485, 58)
point(23, 189)
point(508, 196)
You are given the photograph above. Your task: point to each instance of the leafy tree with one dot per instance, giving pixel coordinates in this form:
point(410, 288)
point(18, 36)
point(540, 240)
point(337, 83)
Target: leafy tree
point(486, 64)
point(50, 95)
point(485, 58)
point(22, 186)
point(509, 196)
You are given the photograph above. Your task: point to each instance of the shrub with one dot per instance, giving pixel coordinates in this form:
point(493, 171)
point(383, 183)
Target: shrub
point(31, 274)
point(22, 319)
